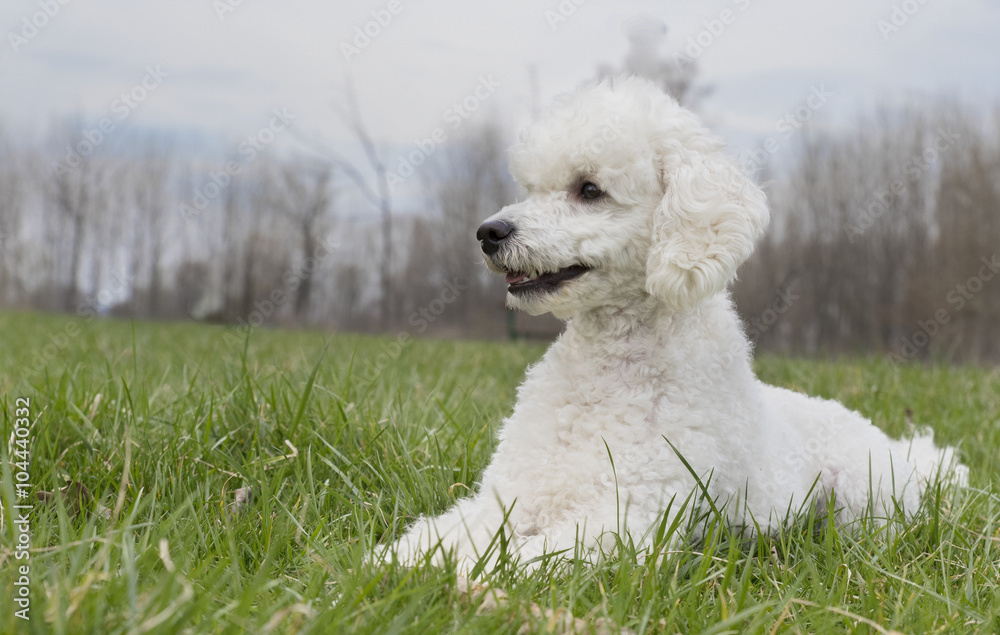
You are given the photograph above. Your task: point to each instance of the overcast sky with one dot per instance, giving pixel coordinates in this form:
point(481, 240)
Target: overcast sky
point(217, 70)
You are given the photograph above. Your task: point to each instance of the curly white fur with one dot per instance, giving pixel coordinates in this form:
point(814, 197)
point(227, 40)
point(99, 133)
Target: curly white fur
point(653, 351)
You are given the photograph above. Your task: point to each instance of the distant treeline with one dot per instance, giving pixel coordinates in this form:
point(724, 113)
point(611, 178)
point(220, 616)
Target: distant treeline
point(885, 238)
point(886, 241)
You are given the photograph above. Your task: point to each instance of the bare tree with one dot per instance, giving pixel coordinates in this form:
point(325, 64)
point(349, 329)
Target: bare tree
point(11, 210)
point(967, 216)
point(303, 194)
point(468, 183)
point(375, 189)
point(150, 186)
point(237, 220)
point(75, 191)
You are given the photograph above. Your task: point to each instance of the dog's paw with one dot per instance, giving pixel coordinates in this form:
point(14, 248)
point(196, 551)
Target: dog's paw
point(419, 545)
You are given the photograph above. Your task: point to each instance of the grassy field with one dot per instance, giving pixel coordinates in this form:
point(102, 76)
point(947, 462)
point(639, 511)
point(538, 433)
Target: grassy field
point(345, 439)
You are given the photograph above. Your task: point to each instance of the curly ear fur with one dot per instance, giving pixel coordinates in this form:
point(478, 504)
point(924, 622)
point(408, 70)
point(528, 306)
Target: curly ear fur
point(704, 228)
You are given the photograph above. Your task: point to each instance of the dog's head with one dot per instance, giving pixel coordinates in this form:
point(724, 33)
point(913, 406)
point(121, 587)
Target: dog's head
point(628, 196)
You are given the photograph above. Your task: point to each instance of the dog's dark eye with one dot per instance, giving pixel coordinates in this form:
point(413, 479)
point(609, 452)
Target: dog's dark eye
point(590, 191)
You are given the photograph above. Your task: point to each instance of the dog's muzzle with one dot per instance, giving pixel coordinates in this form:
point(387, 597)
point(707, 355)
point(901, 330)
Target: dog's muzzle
point(493, 235)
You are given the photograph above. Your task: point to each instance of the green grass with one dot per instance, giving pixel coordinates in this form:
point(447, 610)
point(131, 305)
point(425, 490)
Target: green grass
point(345, 439)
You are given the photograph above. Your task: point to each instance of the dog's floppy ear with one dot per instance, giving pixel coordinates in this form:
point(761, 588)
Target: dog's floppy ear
point(704, 228)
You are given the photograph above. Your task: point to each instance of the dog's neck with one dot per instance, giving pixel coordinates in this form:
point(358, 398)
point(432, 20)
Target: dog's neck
point(660, 336)
point(647, 315)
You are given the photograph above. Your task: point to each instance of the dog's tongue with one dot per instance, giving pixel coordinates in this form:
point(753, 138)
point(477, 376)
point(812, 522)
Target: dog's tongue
point(514, 277)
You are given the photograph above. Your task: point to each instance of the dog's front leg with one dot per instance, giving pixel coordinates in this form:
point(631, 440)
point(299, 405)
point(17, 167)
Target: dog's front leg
point(464, 533)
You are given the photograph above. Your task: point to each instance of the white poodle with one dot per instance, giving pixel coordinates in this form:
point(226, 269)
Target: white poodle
point(633, 225)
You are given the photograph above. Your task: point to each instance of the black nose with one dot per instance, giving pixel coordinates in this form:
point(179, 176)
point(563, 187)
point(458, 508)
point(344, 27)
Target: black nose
point(492, 234)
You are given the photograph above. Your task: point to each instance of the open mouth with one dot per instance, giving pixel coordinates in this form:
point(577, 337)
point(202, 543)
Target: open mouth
point(518, 282)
